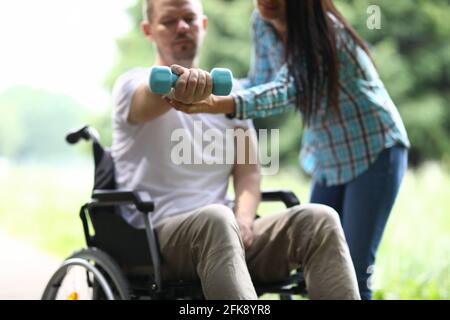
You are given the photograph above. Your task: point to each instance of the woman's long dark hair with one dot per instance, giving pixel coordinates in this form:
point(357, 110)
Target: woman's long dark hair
point(311, 52)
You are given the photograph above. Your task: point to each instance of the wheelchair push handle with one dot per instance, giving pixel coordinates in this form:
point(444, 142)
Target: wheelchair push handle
point(162, 80)
point(87, 133)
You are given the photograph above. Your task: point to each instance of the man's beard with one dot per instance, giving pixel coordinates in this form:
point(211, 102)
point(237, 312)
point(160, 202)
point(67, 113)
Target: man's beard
point(182, 57)
point(187, 51)
point(185, 54)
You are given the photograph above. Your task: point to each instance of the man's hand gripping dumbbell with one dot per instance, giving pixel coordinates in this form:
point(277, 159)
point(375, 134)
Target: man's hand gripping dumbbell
point(190, 85)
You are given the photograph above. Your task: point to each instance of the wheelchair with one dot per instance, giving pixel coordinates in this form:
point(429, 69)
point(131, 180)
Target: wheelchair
point(122, 262)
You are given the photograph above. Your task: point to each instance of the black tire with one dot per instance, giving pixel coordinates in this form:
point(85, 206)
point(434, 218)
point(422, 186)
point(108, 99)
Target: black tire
point(107, 275)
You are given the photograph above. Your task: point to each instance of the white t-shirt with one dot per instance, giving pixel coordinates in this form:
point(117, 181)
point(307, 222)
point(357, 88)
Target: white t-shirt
point(149, 156)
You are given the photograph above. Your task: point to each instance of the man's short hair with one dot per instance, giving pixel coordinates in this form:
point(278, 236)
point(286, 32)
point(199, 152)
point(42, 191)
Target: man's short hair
point(147, 9)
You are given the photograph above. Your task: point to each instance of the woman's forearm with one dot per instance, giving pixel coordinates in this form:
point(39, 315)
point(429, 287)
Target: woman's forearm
point(266, 100)
point(225, 104)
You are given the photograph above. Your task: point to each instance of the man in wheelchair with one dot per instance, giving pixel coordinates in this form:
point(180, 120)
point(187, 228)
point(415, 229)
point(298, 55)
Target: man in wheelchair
point(199, 236)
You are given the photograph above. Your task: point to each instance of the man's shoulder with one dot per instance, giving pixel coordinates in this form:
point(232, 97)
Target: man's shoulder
point(137, 73)
point(123, 91)
point(127, 83)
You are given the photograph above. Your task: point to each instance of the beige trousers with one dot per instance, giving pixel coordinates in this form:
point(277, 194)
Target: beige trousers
point(206, 244)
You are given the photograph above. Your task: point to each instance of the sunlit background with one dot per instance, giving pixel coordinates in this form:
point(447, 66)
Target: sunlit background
point(63, 47)
point(59, 60)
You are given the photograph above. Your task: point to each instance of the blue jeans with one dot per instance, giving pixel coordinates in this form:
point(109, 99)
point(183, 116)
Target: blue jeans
point(364, 205)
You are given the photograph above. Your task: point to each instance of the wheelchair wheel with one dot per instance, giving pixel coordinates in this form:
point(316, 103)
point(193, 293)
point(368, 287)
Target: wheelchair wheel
point(89, 274)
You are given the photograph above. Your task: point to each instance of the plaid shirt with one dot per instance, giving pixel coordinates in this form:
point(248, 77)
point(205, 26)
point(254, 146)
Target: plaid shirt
point(336, 147)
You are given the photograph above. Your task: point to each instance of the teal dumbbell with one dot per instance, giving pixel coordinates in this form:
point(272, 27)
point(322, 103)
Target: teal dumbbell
point(162, 80)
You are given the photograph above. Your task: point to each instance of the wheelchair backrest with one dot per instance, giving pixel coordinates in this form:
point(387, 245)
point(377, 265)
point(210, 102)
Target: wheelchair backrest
point(112, 233)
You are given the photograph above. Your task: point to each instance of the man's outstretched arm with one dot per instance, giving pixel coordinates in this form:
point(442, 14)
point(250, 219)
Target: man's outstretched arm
point(193, 85)
point(146, 105)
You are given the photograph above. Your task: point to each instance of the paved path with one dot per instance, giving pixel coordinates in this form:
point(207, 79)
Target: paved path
point(24, 270)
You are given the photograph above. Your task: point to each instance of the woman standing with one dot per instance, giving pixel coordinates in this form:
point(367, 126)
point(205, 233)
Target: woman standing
point(307, 57)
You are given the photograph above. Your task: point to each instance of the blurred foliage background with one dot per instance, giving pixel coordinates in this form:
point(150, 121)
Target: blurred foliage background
point(412, 53)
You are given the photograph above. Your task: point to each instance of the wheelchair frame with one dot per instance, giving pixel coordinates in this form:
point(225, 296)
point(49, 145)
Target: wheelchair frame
point(99, 214)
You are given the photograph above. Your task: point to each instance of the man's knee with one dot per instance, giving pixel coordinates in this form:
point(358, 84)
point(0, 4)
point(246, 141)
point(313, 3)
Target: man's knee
point(317, 215)
point(217, 214)
point(217, 221)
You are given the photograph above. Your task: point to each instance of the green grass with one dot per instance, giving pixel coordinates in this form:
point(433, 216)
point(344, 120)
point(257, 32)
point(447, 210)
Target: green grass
point(40, 205)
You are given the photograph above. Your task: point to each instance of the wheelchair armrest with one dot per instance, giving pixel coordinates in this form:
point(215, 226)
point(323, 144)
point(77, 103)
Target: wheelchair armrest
point(287, 197)
point(141, 199)
point(144, 203)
